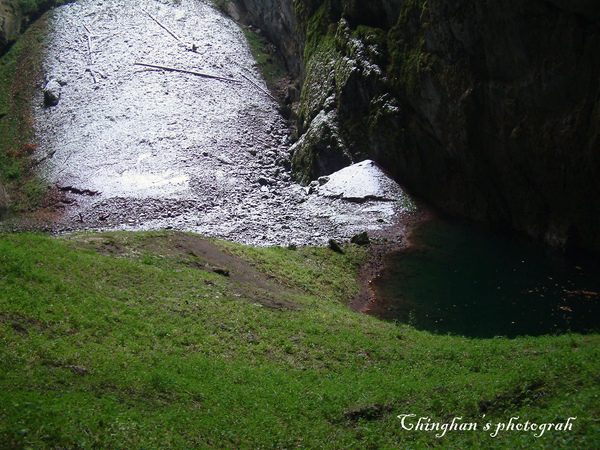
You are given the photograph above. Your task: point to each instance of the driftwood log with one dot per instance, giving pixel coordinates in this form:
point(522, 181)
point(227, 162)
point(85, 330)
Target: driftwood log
point(164, 27)
point(89, 42)
point(259, 87)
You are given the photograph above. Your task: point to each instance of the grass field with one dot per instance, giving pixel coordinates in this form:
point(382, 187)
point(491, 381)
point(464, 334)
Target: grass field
point(170, 340)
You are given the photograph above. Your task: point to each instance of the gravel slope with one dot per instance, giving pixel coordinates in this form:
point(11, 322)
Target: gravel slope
point(142, 148)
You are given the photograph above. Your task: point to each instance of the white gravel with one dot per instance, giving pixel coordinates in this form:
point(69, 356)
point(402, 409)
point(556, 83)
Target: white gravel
point(144, 148)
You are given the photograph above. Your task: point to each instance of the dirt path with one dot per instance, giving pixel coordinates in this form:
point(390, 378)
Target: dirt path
point(201, 254)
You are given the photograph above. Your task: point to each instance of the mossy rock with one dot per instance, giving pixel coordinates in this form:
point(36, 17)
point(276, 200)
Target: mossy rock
point(361, 239)
point(321, 150)
point(346, 84)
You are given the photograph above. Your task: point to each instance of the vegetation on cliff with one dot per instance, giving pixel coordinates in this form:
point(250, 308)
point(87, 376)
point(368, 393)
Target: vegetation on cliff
point(20, 80)
point(355, 73)
point(266, 57)
point(35, 7)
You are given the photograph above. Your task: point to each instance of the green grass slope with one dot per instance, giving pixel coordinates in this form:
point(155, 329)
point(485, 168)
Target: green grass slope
point(169, 340)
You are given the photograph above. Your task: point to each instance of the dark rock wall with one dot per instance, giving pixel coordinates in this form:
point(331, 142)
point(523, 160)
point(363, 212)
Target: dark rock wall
point(17, 15)
point(487, 109)
point(505, 121)
point(11, 18)
point(278, 22)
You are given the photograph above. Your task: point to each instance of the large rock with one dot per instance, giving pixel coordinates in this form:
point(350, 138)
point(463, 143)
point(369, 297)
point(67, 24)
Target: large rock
point(361, 182)
point(52, 92)
point(320, 151)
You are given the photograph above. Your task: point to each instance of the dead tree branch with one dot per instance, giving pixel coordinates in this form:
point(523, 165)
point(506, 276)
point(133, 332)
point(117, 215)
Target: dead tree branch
point(172, 69)
point(89, 42)
point(92, 74)
point(259, 87)
point(164, 27)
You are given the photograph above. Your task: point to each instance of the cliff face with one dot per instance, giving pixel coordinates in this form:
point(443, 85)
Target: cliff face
point(11, 18)
point(277, 20)
point(16, 15)
point(488, 109)
point(503, 118)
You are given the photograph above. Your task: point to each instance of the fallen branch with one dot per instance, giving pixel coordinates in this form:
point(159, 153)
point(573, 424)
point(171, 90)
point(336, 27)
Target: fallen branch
point(252, 82)
point(192, 47)
point(89, 42)
point(172, 69)
point(259, 87)
point(162, 26)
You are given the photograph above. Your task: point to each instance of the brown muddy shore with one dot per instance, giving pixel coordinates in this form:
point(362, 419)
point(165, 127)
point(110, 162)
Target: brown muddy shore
point(383, 243)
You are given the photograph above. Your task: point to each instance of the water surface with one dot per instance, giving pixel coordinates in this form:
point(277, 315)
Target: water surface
point(462, 279)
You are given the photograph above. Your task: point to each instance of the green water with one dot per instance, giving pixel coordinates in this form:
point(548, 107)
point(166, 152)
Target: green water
point(461, 279)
